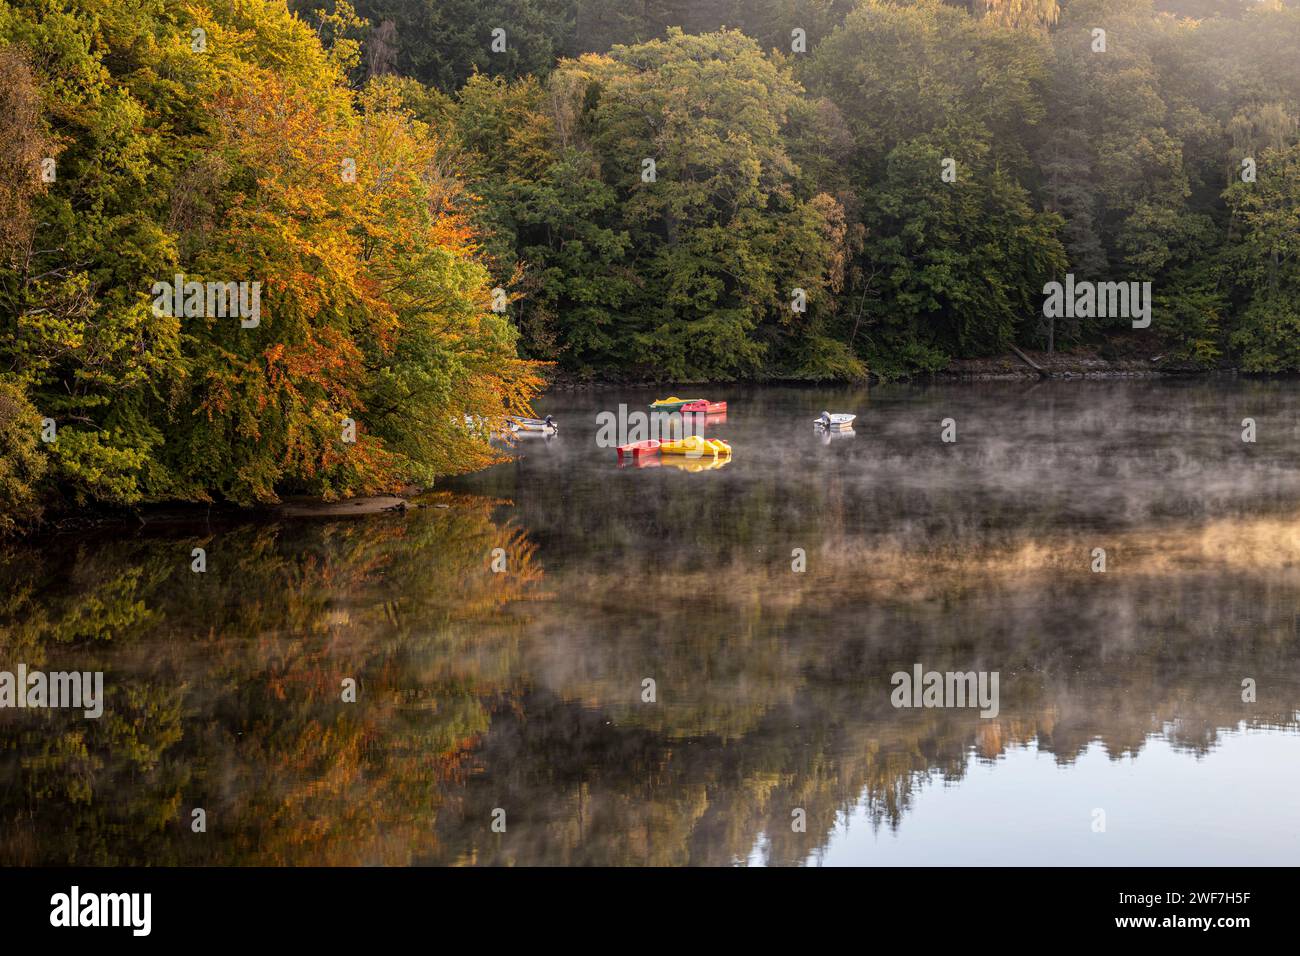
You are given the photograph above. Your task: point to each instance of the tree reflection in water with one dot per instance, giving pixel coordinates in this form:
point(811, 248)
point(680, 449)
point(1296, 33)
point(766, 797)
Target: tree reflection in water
point(522, 690)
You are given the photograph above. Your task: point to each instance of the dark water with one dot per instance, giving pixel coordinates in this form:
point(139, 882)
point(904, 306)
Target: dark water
point(1120, 693)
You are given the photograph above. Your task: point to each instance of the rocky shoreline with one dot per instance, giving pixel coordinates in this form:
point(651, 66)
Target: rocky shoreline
point(1118, 359)
point(1086, 364)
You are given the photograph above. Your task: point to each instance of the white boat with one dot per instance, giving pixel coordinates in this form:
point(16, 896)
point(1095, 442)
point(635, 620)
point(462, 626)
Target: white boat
point(545, 425)
point(837, 421)
point(514, 426)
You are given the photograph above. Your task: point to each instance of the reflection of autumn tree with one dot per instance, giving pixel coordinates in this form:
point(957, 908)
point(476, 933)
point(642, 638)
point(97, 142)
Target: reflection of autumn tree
point(773, 689)
point(225, 688)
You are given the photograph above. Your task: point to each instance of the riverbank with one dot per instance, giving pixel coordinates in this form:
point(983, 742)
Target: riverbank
point(1104, 362)
point(1117, 358)
point(95, 518)
point(1087, 363)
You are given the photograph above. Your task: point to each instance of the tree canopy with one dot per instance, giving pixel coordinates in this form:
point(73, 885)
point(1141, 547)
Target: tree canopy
point(431, 199)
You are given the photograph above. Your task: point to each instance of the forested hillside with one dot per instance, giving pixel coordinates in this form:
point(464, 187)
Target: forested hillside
point(434, 198)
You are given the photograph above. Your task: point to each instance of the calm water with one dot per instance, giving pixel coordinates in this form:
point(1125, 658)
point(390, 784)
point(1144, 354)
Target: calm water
point(1120, 692)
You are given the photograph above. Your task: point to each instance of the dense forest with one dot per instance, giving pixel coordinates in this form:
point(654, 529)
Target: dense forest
point(442, 202)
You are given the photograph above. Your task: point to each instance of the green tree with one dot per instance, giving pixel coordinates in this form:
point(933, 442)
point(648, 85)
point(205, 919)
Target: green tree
point(211, 142)
point(1265, 262)
point(657, 213)
point(955, 253)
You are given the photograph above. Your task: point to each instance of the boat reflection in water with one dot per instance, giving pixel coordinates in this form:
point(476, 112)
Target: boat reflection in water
point(679, 462)
point(828, 435)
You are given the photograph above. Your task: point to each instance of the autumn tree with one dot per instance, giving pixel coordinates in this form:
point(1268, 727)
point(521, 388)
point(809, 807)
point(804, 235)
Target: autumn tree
point(223, 143)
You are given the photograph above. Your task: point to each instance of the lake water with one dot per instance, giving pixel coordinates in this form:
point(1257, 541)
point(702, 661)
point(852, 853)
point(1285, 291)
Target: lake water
point(1121, 734)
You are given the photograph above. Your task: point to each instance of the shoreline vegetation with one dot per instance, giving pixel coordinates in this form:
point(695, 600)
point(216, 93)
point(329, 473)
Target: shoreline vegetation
point(253, 251)
point(1082, 366)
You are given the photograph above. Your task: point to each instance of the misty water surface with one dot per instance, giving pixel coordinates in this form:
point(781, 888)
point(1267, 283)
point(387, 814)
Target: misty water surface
point(1119, 691)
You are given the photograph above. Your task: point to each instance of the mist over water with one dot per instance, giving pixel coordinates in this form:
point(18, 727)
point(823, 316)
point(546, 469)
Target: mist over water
point(523, 691)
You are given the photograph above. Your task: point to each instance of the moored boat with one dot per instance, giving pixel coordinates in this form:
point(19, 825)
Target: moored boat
point(673, 404)
point(639, 449)
point(696, 446)
point(547, 424)
point(836, 421)
point(702, 407)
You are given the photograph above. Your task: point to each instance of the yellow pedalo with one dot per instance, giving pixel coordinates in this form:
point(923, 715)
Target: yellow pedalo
point(696, 446)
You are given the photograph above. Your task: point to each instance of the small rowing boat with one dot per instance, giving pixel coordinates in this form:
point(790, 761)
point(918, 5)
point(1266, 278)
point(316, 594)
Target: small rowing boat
point(837, 421)
point(546, 425)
